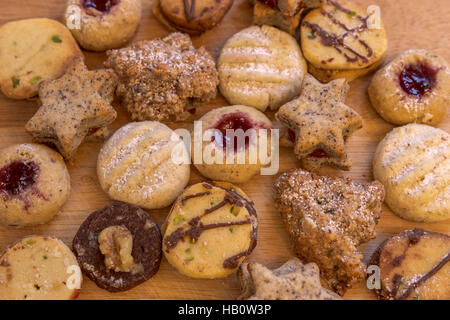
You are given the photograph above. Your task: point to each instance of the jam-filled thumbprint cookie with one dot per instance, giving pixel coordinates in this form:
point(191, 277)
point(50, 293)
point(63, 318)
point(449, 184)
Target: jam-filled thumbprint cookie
point(414, 87)
point(210, 230)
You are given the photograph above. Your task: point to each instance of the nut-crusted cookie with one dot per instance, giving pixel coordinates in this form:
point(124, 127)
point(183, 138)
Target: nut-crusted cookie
point(34, 184)
point(162, 79)
point(103, 24)
point(210, 230)
point(33, 51)
point(73, 107)
point(413, 265)
point(118, 247)
point(321, 122)
point(343, 37)
point(414, 87)
point(292, 281)
point(261, 67)
point(39, 268)
point(327, 219)
point(191, 16)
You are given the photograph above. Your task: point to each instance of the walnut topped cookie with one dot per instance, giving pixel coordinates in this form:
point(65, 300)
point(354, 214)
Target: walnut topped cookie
point(162, 79)
point(321, 122)
point(73, 107)
point(327, 219)
point(118, 247)
point(292, 281)
point(341, 39)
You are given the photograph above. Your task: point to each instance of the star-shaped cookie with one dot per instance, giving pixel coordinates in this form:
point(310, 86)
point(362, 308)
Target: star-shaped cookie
point(74, 107)
point(292, 281)
point(321, 122)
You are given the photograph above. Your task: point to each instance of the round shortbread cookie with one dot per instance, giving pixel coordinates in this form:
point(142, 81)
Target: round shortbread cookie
point(245, 153)
point(413, 164)
point(414, 87)
point(261, 67)
point(34, 184)
point(145, 164)
point(338, 36)
point(210, 230)
point(39, 268)
point(32, 51)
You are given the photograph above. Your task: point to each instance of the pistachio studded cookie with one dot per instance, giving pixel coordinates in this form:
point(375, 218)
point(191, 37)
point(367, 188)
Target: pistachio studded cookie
point(413, 164)
point(39, 268)
point(145, 164)
point(341, 39)
point(414, 87)
point(33, 50)
point(261, 67)
point(118, 247)
point(210, 230)
point(34, 184)
point(236, 145)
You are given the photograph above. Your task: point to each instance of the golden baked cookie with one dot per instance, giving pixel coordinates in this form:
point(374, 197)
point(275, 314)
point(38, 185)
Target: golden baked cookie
point(191, 16)
point(261, 67)
point(145, 164)
point(339, 36)
point(39, 268)
point(104, 24)
point(413, 164)
point(73, 107)
point(34, 184)
point(413, 265)
point(319, 123)
point(292, 281)
point(414, 87)
point(210, 230)
point(238, 147)
point(32, 51)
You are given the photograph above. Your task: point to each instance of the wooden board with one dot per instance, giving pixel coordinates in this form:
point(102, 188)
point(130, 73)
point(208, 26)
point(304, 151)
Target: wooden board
point(409, 24)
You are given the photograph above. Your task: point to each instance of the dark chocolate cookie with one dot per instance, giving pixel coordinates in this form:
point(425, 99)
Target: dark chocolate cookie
point(118, 247)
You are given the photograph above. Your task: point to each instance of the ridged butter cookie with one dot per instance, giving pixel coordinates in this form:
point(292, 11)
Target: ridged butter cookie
point(210, 230)
point(261, 67)
point(145, 164)
point(413, 164)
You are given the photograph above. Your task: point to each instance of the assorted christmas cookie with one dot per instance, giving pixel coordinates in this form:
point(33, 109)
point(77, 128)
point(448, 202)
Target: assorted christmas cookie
point(144, 163)
point(327, 219)
point(73, 107)
point(39, 268)
point(413, 164)
point(261, 67)
point(210, 230)
point(320, 122)
point(341, 39)
point(162, 79)
point(33, 50)
point(191, 16)
point(292, 281)
point(100, 25)
point(235, 152)
point(283, 14)
point(414, 265)
point(118, 247)
point(414, 87)
point(34, 184)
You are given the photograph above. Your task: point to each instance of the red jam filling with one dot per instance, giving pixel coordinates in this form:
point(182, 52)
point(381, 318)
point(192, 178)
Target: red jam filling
point(100, 5)
point(319, 153)
point(91, 131)
point(18, 176)
point(418, 79)
point(234, 121)
point(291, 135)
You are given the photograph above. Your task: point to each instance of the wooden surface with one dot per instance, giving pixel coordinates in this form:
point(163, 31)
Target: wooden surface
point(409, 24)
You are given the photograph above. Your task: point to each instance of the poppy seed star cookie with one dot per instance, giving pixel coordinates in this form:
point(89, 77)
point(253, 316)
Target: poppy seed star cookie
point(321, 122)
point(74, 107)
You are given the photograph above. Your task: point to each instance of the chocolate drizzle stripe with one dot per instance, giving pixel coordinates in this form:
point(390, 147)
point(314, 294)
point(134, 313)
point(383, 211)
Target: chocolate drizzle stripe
point(195, 195)
point(232, 262)
point(189, 9)
point(426, 276)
